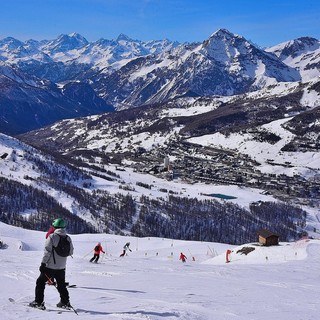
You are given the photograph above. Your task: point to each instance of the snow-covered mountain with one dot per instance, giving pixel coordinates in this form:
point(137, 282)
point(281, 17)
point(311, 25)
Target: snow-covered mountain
point(28, 102)
point(74, 48)
point(65, 59)
point(64, 43)
point(152, 130)
point(266, 140)
point(302, 54)
point(112, 54)
point(126, 73)
point(225, 64)
point(34, 184)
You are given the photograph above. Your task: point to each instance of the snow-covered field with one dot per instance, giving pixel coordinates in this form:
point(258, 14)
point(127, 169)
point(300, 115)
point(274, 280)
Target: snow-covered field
point(279, 282)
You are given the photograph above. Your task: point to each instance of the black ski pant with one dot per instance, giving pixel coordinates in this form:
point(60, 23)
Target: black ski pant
point(60, 277)
point(95, 258)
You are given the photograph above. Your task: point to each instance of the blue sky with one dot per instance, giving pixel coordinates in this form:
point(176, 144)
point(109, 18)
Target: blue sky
point(264, 22)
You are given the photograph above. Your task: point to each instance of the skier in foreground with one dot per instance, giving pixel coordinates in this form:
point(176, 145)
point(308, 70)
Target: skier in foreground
point(53, 266)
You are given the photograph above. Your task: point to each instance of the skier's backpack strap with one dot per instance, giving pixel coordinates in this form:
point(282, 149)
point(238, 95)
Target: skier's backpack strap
point(54, 258)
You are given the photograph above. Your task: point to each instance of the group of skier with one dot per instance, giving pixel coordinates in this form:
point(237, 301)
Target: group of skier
point(98, 249)
point(58, 246)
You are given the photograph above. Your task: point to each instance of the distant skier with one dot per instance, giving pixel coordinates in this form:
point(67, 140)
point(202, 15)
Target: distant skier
point(97, 249)
point(183, 258)
point(125, 248)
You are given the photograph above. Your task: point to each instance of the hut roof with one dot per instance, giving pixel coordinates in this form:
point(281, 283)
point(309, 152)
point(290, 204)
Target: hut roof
point(266, 233)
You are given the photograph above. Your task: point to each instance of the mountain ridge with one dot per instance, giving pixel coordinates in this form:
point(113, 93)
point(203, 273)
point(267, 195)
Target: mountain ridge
point(126, 73)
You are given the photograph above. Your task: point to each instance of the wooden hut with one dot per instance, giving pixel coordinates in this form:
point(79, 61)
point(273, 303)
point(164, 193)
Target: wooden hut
point(268, 238)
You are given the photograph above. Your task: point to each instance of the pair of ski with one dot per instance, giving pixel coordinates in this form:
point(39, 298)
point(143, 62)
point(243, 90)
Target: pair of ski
point(43, 308)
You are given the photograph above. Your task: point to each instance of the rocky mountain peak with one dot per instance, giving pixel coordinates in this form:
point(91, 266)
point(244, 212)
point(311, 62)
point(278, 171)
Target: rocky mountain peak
point(303, 44)
point(222, 33)
point(223, 44)
point(10, 43)
point(123, 37)
point(66, 42)
point(296, 47)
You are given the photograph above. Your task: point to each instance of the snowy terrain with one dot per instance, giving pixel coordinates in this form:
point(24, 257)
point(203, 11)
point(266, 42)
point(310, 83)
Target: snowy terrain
point(304, 163)
point(17, 167)
point(151, 283)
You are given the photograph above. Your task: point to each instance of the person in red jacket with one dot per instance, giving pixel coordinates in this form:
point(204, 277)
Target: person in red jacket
point(97, 249)
point(182, 257)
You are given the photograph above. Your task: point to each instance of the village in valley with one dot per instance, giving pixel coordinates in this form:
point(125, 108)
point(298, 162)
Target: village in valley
point(193, 163)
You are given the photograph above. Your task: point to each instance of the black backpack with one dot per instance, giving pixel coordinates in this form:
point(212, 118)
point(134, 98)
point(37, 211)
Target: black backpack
point(63, 247)
point(96, 248)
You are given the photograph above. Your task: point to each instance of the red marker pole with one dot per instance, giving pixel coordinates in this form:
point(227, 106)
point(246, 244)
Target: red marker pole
point(227, 255)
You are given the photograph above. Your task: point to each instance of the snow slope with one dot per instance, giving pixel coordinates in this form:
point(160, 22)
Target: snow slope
point(15, 167)
point(151, 283)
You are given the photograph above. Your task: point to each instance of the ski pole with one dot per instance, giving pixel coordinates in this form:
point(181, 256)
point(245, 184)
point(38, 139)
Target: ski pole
point(102, 256)
point(193, 258)
point(87, 254)
point(50, 282)
point(56, 286)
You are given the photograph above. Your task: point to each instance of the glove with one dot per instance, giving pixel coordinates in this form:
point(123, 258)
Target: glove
point(43, 268)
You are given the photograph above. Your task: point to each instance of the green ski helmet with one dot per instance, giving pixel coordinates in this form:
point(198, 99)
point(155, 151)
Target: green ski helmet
point(59, 223)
